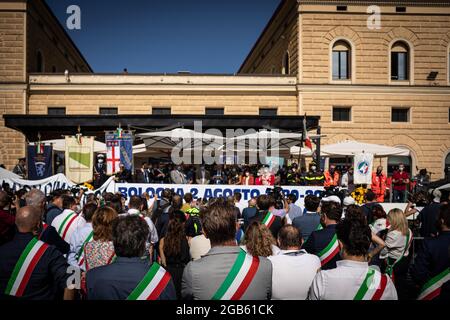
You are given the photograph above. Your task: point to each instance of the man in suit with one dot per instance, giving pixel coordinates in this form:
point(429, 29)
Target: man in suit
point(100, 176)
point(143, 174)
point(209, 277)
point(433, 257)
point(120, 280)
point(202, 176)
point(48, 276)
point(177, 176)
point(263, 203)
point(323, 243)
point(219, 176)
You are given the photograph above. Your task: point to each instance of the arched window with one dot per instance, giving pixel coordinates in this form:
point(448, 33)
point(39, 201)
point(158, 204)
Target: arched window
point(341, 56)
point(285, 68)
point(394, 162)
point(39, 62)
point(400, 61)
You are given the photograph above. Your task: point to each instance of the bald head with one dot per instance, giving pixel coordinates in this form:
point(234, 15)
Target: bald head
point(35, 198)
point(28, 219)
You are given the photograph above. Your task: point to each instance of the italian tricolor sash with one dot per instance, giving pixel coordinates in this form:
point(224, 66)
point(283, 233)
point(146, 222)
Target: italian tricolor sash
point(390, 267)
point(65, 225)
point(239, 278)
point(373, 286)
point(80, 254)
point(24, 267)
point(432, 288)
point(153, 284)
point(268, 219)
point(319, 227)
point(329, 252)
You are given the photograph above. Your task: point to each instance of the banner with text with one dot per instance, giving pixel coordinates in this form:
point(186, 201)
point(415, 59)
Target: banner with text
point(208, 191)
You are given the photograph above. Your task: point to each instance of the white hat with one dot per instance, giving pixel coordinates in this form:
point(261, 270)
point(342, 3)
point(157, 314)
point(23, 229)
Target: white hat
point(437, 195)
point(332, 199)
point(348, 201)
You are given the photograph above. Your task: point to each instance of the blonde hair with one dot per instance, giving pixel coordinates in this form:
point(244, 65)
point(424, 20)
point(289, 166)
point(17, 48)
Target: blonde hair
point(398, 221)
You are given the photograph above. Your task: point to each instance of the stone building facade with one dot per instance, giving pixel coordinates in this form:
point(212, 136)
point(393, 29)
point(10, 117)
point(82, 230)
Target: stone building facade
point(386, 83)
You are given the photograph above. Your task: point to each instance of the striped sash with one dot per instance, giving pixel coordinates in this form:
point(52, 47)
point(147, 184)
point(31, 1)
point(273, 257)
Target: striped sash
point(25, 267)
point(239, 278)
point(152, 285)
point(80, 254)
point(373, 286)
point(390, 267)
point(268, 219)
point(64, 227)
point(432, 288)
point(329, 252)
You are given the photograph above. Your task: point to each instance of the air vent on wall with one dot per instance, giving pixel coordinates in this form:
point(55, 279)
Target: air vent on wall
point(400, 9)
point(341, 8)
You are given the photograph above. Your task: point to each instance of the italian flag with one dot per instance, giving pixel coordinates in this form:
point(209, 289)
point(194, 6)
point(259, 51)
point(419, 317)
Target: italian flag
point(24, 267)
point(80, 255)
point(329, 252)
point(239, 278)
point(64, 227)
point(268, 219)
point(432, 288)
point(153, 284)
point(373, 286)
point(39, 148)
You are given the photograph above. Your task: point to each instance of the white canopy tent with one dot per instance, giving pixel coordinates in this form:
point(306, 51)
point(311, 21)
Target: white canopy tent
point(444, 187)
point(99, 147)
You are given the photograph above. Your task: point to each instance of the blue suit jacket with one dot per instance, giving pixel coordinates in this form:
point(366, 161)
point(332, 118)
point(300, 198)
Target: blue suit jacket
point(318, 240)
point(432, 258)
point(117, 280)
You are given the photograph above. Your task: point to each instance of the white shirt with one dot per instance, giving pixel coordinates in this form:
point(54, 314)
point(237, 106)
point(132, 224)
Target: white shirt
point(199, 246)
point(74, 225)
point(292, 275)
point(76, 241)
point(275, 250)
point(343, 282)
point(153, 233)
point(395, 244)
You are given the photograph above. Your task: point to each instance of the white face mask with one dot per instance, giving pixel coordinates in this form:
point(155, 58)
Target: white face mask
point(100, 160)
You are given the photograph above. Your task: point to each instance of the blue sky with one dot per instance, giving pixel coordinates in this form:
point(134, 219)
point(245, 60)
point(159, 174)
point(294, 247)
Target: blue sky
point(200, 36)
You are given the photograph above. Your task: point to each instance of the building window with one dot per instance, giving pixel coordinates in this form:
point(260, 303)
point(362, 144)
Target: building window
point(341, 60)
point(400, 61)
point(285, 68)
point(449, 115)
point(54, 69)
point(214, 111)
point(39, 62)
point(161, 110)
point(268, 112)
point(400, 114)
point(108, 110)
point(342, 114)
point(56, 111)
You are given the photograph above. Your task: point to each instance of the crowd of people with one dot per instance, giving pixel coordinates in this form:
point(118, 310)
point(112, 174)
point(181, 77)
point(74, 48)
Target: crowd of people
point(87, 247)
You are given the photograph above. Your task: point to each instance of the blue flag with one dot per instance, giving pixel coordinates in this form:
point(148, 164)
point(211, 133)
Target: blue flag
point(39, 161)
point(126, 150)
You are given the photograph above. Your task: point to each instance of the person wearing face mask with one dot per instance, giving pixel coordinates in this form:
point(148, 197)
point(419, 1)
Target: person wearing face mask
point(69, 220)
point(314, 178)
point(331, 177)
point(100, 171)
point(202, 176)
point(378, 185)
point(247, 178)
point(400, 180)
point(45, 265)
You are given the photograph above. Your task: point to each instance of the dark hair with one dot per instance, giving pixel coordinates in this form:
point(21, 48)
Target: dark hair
point(188, 197)
point(177, 202)
point(135, 202)
point(264, 202)
point(378, 212)
point(68, 201)
point(370, 195)
point(167, 193)
point(355, 212)
point(237, 196)
point(130, 234)
point(88, 211)
point(355, 235)
point(218, 220)
point(312, 203)
point(102, 223)
point(289, 236)
point(332, 210)
point(444, 215)
point(115, 202)
point(175, 234)
point(292, 197)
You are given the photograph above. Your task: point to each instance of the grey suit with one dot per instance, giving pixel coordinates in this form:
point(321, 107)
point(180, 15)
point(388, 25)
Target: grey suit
point(203, 277)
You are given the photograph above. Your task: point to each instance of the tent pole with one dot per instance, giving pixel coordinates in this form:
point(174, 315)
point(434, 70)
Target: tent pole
point(318, 142)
